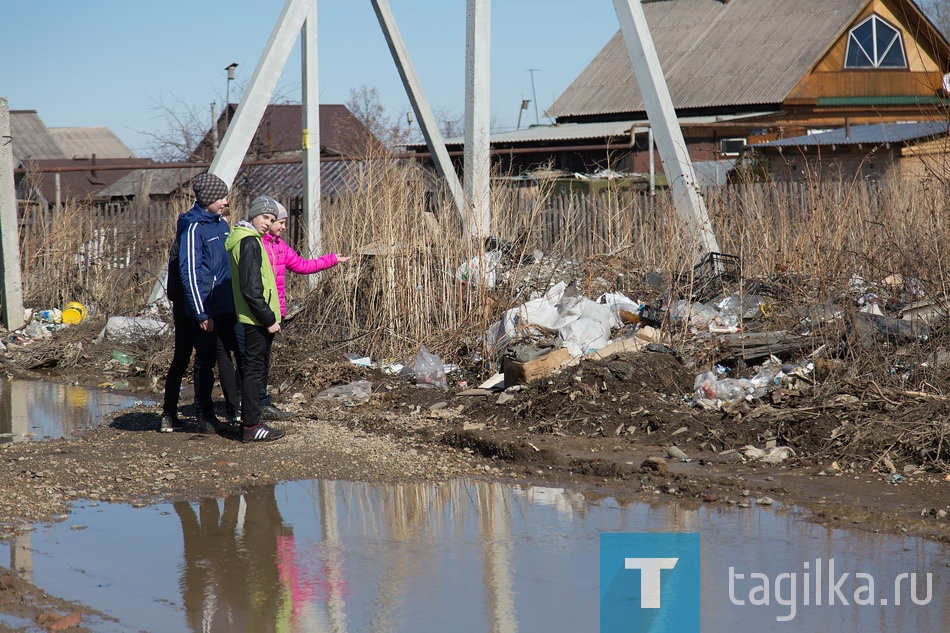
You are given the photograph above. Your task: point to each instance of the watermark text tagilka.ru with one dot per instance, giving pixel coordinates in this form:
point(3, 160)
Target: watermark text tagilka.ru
point(825, 583)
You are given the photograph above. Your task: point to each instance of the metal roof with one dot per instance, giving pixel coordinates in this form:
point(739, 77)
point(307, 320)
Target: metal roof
point(562, 132)
point(876, 134)
point(80, 184)
point(286, 181)
point(84, 142)
point(282, 180)
point(31, 138)
point(594, 130)
point(744, 52)
point(164, 182)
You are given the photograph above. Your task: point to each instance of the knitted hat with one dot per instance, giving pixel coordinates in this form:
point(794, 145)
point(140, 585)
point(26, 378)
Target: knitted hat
point(282, 212)
point(208, 189)
point(264, 204)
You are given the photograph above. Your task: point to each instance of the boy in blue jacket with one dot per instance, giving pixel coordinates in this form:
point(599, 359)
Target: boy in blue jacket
point(206, 279)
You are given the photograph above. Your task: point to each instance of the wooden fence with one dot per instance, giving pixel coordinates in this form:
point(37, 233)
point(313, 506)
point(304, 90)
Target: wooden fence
point(575, 225)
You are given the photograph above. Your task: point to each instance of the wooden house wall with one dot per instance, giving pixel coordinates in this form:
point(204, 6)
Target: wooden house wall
point(926, 161)
point(923, 76)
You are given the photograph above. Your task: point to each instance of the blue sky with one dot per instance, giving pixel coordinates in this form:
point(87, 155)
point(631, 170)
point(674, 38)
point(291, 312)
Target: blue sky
point(127, 64)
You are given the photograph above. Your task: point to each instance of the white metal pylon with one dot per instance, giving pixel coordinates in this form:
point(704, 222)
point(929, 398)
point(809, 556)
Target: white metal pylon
point(478, 116)
point(12, 291)
point(420, 105)
point(474, 202)
point(310, 142)
point(227, 161)
point(666, 130)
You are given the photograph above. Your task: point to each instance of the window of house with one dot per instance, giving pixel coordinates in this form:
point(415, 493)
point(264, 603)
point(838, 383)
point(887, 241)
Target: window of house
point(875, 44)
point(731, 146)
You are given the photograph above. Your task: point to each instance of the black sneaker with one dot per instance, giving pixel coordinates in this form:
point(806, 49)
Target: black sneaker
point(261, 433)
point(208, 426)
point(270, 412)
point(171, 423)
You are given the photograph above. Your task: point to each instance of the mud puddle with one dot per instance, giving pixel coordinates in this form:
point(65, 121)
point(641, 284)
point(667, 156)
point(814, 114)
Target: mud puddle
point(462, 555)
point(38, 410)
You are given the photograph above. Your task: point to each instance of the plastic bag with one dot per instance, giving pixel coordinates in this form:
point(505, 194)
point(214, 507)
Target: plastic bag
point(698, 315)
point(351, 395)
point(428, 370)
point(131, 329)
point(712, 391)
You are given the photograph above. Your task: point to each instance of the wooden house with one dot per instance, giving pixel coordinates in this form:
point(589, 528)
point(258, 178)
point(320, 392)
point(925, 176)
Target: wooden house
point(66, 163)
point(746, 71)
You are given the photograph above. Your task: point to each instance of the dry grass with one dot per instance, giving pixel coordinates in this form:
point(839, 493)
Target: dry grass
point(402, 289)
point(79, 253)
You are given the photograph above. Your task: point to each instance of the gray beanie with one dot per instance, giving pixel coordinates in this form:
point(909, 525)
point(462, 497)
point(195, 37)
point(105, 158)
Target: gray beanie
point(263, 204)
point(208, 189)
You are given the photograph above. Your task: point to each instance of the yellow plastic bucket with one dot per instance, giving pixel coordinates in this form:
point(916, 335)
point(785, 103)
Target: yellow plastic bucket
point(74, 313)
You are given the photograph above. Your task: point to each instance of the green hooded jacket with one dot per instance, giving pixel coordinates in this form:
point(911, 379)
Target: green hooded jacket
point(252, 278)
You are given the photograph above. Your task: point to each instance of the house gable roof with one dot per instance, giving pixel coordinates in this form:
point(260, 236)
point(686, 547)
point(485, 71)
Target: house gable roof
point(31, 138)
point(280, 132)
point(86, 142)
point(714, 54)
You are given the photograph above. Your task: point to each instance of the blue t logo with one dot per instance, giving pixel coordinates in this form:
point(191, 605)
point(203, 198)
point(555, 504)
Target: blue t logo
point(649, 583)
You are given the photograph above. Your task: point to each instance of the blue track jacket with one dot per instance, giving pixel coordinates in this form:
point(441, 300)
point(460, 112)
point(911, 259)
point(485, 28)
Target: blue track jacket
point(204, 264)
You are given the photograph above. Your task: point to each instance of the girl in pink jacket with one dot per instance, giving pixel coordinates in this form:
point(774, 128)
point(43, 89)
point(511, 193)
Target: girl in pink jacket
point(283, 258)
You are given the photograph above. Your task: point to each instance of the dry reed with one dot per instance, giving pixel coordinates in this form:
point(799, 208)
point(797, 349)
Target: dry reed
point(403, 288)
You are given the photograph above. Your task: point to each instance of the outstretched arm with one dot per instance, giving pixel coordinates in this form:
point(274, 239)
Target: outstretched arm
point(301, 266)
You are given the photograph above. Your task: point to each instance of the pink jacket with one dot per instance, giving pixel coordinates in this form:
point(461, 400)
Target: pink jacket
point(283, 258)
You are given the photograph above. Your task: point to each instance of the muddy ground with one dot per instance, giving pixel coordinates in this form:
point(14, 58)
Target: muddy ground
point(865, 453)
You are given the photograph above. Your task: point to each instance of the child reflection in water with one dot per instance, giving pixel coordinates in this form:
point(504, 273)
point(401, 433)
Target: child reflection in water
point(230, 580)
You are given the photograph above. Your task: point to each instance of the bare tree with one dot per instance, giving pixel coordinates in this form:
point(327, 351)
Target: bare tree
point(366, 105)
point(186, 126)
point(450, 125)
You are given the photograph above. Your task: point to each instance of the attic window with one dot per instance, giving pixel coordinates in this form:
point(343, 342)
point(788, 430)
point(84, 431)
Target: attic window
point(875, 44)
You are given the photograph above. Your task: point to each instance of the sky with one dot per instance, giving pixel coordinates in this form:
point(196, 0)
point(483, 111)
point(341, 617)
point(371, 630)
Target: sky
point(133, 66)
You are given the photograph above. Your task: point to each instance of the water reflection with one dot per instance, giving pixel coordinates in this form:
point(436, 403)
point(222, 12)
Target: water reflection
point(230, 579)
point(342, 557)
point(33, 409)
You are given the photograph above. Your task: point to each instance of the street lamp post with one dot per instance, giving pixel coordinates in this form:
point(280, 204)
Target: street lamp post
point(409, 120)
point(227, 94)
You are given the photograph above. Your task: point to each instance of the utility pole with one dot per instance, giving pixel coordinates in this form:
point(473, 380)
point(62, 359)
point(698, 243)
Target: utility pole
point(668, 136)
point(477, 156)
point(310, 141)
point(10, 242)
point(227, 161)
point(420, 105)
point(534, 95)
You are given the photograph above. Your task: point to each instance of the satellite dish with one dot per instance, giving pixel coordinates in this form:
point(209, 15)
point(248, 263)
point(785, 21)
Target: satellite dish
point(946, 83)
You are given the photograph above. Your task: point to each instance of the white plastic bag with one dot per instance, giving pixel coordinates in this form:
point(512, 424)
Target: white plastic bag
point(351, 395)
point(429, 370)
